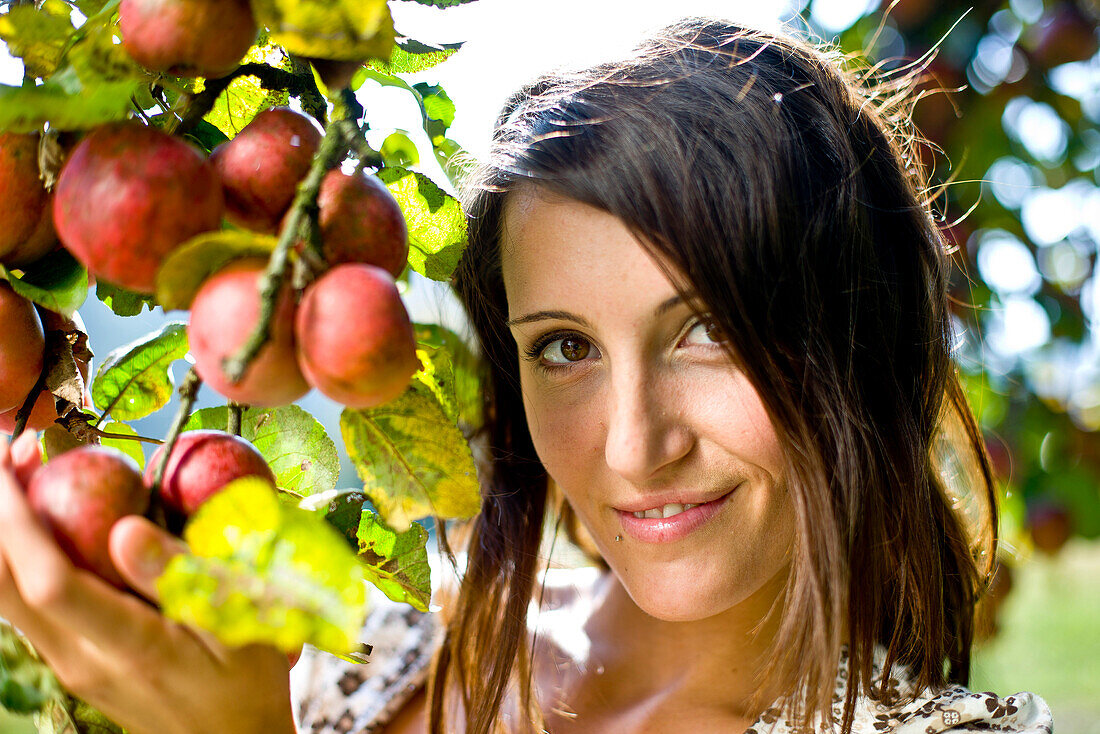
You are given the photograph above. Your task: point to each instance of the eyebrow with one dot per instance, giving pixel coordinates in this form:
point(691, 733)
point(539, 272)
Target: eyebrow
point(661, 310)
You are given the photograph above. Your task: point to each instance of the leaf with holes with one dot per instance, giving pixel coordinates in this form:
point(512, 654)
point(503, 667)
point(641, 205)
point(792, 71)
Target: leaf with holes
point(396, 563)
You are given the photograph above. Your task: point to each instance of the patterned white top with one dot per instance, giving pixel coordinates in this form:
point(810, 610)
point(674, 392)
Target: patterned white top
point(336, 697)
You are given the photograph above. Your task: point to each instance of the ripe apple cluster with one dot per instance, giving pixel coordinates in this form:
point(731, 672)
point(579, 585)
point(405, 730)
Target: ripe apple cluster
point(80, 494)
point(130, 194)
point(349, 335)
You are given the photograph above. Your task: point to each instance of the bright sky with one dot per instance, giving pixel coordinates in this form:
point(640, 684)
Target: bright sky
point(508, 42)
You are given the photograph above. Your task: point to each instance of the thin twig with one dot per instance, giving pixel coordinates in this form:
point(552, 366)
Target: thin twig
point(332, 150)
point(189, 390)
point(271, 79)
point(24, 412)
point(124, 437)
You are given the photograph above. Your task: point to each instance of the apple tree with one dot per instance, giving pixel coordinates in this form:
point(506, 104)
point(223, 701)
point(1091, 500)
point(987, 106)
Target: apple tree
point(210, 156)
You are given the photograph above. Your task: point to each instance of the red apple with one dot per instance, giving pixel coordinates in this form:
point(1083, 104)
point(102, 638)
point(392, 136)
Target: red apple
point(80, 494)
point(187, 37)
point(361, 222)
point(24, 202)
point(225, 311)
point(355, 341)
point(128, 196)
point(22, 347)
point(203, 462)
point(261, 167)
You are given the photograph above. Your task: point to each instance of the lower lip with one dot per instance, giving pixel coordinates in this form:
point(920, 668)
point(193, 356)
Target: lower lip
point(671, 529)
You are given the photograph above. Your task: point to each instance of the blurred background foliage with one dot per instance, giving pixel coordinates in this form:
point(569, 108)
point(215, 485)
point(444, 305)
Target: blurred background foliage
point(1011, 112)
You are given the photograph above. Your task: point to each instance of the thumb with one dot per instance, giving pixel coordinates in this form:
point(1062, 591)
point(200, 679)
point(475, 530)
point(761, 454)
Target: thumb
point(140, 551)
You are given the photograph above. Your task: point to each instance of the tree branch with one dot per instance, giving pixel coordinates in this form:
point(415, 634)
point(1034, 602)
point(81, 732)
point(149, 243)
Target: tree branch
point(332, 150)
point(271, 79)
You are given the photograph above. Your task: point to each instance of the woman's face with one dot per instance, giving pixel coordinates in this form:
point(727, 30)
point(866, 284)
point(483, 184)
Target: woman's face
point(635, 408)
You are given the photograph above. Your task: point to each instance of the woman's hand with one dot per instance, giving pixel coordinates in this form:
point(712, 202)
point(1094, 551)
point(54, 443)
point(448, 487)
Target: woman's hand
point(111, 648)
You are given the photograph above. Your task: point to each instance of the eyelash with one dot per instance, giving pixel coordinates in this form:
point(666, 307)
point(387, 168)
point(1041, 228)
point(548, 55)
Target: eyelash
point(534, 352)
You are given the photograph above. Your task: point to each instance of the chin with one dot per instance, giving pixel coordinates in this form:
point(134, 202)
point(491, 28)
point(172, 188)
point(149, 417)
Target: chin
point(691, 595)
point(687, 597)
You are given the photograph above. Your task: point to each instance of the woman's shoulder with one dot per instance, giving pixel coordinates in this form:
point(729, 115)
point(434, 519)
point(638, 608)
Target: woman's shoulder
point(954, 708)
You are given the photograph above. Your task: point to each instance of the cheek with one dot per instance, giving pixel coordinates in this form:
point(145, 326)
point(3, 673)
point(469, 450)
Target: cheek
point(739, 422)
point(565, 426)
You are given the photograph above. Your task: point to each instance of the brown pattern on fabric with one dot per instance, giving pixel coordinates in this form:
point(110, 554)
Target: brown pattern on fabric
point(334, 697)
point(337, 697)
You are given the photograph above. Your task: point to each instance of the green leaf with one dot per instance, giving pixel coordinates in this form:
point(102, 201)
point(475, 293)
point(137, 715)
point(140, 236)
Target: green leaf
point(260, 571)
point(411, 56)
point(98, 57)
point(437, 226)
point(293, 442)
point(439, 109)
point(412, 459)
point(28, 109)
point(451, 371)
point(130, 448)
point(26, 683)
point(37, 35)
point(342, 508)
point(237, 105)
point(57, 282)
point(135, 379)
point(455, 161)
point(399, 150)
point(347, 30)
point(121, 301)
point(206, 136)
point(397, 563)
point(190, 264)
point(91, 8)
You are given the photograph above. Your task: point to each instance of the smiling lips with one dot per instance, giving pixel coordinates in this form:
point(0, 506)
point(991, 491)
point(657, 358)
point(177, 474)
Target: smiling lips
point(669, 522)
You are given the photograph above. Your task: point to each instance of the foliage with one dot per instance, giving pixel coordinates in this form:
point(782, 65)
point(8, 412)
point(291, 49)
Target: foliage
point(1019, 131)
point(285, 567)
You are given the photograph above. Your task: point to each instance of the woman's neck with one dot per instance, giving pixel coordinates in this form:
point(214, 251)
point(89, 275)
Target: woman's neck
point(638, 663)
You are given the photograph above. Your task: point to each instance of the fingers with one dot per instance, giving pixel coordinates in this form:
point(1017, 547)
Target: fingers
point(140, 551)
point(53, 594)
point(26, 454)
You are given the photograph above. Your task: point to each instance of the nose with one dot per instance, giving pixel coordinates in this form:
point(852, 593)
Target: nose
point(647, 425)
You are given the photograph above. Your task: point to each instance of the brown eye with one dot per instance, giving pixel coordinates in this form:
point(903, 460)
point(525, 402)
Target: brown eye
point(568, 349)
point(574, 349)
point(714, 332)
point(705, 332)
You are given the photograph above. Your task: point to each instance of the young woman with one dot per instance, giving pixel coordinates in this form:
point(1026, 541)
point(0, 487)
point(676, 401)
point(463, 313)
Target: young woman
point(712, 304)
point(712, 307)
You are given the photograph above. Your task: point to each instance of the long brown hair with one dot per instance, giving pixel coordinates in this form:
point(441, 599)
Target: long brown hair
point(786, 194)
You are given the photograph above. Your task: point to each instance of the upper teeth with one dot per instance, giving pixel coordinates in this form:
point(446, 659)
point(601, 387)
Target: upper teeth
point(666, 511)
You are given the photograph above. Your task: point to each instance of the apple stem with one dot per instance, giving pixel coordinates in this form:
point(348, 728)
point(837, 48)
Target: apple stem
point(299, 224)
point(189, 390)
